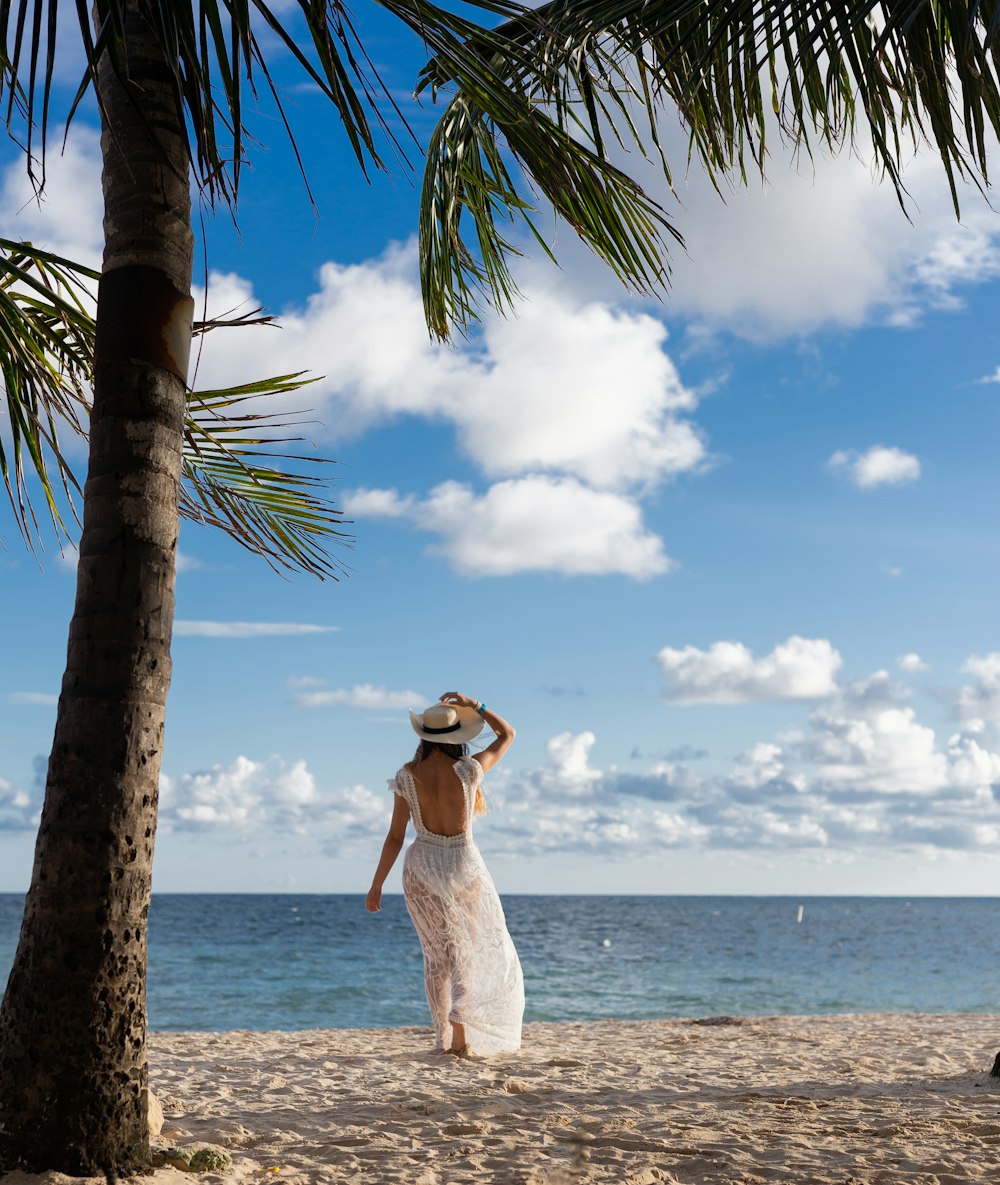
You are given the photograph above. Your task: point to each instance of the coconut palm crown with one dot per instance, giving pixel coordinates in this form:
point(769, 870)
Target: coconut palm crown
point(533, 105)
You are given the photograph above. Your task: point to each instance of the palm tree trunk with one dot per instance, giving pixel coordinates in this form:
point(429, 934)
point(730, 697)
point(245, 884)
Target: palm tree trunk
point(73, 1020)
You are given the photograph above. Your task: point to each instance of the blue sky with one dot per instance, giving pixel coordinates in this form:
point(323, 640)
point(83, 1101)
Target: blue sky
point(727, 562)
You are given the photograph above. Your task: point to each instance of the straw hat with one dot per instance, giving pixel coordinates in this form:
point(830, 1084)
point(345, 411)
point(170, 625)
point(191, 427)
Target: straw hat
point(447, 724)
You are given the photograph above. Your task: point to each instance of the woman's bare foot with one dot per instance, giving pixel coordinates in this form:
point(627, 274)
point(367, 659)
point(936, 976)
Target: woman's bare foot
point(464, 1051)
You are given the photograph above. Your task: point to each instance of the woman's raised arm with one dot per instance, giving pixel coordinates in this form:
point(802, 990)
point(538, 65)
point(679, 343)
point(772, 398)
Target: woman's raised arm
point(504, 732)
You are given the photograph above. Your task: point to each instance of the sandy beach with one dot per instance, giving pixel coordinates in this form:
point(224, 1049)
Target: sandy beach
point(843, 1100)
point(838, 1100)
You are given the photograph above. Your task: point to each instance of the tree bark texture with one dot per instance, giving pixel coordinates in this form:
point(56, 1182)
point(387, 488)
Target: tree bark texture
point(73, 1020)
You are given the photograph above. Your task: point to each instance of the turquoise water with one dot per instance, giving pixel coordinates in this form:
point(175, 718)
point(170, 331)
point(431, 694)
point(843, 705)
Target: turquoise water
point(221, 962)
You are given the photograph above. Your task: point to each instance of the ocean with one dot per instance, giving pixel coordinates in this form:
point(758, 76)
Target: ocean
point(220, 962)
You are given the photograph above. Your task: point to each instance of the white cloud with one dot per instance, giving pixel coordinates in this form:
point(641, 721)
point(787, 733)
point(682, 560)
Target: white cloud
point(364, 695)
point(41, 698)
point(569, 766)
point(865, 774)
point(990, 378)
point(980, 701)
point(248, 629)
point(583, 389)
point(68, 219)
point(884, 750)
point(20, 810)
point(299, 681)
point(248, 797)
point(533, 524)
point(69, 557)
point(822, 244)
point(233, 796)
point(985, 667)
point(572, 401)
point(188, 563)
point(761, 765)
point(878, 466)
point(911, 663)
point(728, 673)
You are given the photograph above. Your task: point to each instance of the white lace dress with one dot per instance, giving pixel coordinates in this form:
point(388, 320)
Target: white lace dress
point(471, 969)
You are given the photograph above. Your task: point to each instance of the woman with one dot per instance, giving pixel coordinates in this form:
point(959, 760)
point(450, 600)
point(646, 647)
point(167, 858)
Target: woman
point(471, 970)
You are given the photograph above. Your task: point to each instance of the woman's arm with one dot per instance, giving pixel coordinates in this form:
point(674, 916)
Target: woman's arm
point(390, 850)
point(504, 732)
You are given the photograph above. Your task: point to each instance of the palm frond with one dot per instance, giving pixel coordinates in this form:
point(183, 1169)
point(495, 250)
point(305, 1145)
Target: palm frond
point(820, 72)
point(537, 102)
point(233, 480)
point(46, 361)
point(905, 71)
point(466, 173)
point(233, 475)
point(215, 58)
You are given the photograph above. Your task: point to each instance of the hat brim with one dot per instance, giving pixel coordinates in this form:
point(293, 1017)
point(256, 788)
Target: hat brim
point(470, 725)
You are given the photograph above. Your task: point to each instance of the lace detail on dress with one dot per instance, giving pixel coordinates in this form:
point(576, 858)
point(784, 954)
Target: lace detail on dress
point(472, 975)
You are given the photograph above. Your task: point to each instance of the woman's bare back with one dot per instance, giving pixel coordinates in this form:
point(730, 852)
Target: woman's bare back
point(440, 794)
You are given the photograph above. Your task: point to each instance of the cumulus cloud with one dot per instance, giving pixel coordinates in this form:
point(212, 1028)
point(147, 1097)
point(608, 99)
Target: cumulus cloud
point(248, 629)
point(68, 219)
point(585, 391)
point(911, 663)
point(866, 741)
point(242, 795)
point(879, 466)
point(866, 774)
point(20, 810)
point(531, 524)
point(569, 766)
point(248, 796)
point(728, 673)
point(69, 557)
point(364, 695)
point(574, 410)
point(564, 387)
point(979, 702)
point(757, 265)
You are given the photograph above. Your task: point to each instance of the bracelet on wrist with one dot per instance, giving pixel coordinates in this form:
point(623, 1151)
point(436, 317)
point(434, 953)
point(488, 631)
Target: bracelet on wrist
point(481, 709)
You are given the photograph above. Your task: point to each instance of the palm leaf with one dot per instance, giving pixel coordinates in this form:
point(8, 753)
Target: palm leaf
point(467, 173)
point(232, 480)
point(906, 71)
point(46, 360)
point(819, 72)
point(536, 102)
point(232, 476)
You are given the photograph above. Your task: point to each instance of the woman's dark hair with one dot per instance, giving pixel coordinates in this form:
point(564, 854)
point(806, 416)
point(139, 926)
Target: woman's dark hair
point(426, 748)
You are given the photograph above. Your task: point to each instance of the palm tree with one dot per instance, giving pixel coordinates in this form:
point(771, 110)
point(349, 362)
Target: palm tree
point(545, 96)
point(73, 1019)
